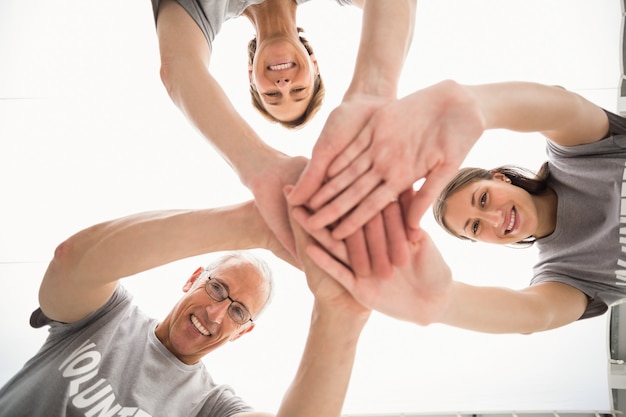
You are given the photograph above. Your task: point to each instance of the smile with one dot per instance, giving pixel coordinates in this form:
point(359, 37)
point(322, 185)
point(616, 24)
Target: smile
point(281, 67)
point(509, 228)
point(199, 327)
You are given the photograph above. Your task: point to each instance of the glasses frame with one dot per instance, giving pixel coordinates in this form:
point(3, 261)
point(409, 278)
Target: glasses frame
point(227, 297)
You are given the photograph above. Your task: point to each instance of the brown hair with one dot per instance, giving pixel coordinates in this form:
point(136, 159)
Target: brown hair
point(533, 183)
point(314, 105)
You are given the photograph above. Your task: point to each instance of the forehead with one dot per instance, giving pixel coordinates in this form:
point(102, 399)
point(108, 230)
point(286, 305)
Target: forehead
point(244, 281)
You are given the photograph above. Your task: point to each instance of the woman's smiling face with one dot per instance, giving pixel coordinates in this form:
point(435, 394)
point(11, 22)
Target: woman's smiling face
point(284, 74)
point(492, 211)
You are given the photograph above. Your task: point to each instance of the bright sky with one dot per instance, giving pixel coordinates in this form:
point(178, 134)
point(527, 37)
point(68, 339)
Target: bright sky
point(87, 133)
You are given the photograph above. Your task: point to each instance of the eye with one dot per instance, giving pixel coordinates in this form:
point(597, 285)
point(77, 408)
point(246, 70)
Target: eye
point(217, 289)
point(298, 90)
point(483, 200)
point(273, 94)
point(237, 313)
point(475, 227)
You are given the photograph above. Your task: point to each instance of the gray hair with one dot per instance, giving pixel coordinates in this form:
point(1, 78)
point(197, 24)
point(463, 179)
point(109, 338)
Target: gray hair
point(257, 263)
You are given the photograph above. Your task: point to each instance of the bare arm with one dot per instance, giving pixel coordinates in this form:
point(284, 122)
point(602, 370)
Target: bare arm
point(185, 58)
point(87, 267)
point(428, 134)
point(562, 116)
point(321, 381)
point(422, 290)
point(536, 308)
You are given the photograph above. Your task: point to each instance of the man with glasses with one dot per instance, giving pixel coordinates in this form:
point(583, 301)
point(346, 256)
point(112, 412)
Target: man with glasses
point(104, 357)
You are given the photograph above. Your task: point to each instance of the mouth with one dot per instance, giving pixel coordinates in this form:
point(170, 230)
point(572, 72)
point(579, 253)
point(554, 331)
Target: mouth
point(511, 224)
point(199, 327)
point(282, 66)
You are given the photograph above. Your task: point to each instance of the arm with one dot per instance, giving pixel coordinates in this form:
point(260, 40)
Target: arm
point(321, 382)
point(422, 291)
point(428, 134)
point(86, 267)
point(185, 58)
point(386, 35)
point(536, 308)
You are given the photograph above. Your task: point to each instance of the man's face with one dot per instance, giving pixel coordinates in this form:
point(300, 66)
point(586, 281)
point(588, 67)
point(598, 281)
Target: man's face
point(199, 324)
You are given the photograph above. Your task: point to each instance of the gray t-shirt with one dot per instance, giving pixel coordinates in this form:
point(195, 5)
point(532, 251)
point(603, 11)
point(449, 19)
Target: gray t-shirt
point(112, 364)
point(587, 249)
point(210, 15)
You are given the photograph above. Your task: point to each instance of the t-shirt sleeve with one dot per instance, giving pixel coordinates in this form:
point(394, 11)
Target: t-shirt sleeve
point(226, 403)
point(617, 124)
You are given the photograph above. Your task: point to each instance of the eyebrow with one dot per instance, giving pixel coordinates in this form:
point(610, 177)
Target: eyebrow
point(280, 101)
point(228, 291)
point(473, 202)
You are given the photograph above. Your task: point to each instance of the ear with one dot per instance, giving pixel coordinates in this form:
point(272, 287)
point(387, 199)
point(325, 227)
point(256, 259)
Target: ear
point(315, 65)
point(241, 332)
point(500, 177)
point(189, 283)
point(250, 73)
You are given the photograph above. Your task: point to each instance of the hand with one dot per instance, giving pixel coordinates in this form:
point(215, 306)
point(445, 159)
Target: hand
point(342, 126)
point(327, 291)
point(267, 187)
point(424, 135)
point(418, 291)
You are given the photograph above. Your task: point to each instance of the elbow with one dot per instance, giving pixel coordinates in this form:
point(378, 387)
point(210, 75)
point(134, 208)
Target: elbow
point(165, 73)
point(64, 259)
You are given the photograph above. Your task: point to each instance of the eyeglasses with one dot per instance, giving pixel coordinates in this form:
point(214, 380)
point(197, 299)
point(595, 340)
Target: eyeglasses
point(218, 292)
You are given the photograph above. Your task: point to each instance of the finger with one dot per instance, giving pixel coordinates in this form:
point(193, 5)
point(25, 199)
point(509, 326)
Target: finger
point(310, 180)
point(377, 247)
point(336, 247)
point(424, 197)
point(341, 182)
point(352, 151)
point(370, 205)
point(397, 240)
point(346, 201)
point(332, 267)
point(358, 255)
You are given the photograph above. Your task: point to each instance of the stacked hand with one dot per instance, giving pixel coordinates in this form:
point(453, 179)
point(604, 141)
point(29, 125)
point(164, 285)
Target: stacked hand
point(358, 168)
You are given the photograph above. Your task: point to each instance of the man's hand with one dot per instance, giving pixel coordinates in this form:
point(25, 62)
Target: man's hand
point(425, 135)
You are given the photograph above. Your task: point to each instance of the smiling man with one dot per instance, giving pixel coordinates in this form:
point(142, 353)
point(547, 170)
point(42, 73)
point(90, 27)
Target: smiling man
point(103, 356)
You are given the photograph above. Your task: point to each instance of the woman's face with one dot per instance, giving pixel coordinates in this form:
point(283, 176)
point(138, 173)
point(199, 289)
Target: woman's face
point(492, 211)
point(284, 73)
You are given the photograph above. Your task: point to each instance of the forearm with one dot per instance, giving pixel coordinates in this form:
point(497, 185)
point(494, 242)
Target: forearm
point(204, 103)
point(386, 36)
point(185, 58)
point(561, 115)
point(129, 245)
point(504, 310)
point(322, 379)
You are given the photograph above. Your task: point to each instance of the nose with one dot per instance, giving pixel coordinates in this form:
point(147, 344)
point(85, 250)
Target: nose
point(282, 82)
point(494, 217)
point(217, 311)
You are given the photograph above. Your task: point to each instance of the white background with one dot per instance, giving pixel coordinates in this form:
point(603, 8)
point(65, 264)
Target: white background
point(87, 133)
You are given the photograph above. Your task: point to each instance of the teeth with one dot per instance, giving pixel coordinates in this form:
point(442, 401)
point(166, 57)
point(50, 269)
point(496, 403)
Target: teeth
point(196, 323)
point(512, 221)
point(279, 67)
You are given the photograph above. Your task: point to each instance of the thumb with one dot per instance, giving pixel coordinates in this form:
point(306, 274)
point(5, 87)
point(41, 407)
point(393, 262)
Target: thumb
point(423, 198)
point(309, 182)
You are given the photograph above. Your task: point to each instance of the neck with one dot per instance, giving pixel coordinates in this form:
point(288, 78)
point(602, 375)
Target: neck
point(547, 204)
point(273, 17)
